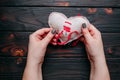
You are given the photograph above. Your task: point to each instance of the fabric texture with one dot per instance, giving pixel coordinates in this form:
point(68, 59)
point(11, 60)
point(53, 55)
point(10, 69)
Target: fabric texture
point(68, 29)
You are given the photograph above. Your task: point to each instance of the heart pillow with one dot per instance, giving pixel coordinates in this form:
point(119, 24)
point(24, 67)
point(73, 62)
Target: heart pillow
point(68, 29)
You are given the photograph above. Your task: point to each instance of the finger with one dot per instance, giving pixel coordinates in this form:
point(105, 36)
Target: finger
point(42, 31)
point(86, 33)
point(56, 35)
point(54, 40)
point(54, 43)
point(49, 36)
point(94, 31)
point(91, 32)
point(82, 39)
point(93, 28)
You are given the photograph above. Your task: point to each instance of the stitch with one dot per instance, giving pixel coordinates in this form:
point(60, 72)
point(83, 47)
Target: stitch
point(69, 36)
point(67, 29)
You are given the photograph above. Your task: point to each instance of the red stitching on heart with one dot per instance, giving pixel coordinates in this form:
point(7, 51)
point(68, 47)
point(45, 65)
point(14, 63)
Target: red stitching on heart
point(67, 29)
point(69, 36)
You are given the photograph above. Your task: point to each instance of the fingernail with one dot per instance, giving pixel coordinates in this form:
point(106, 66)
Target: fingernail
point(53, 31)
point(83, 25)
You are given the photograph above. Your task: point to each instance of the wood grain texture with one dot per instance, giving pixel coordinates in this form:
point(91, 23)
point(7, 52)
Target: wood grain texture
point(77, 69)
point(33, 18)
point(56, 68)
point(61, 63)
point(15, 44)
point(94, 3)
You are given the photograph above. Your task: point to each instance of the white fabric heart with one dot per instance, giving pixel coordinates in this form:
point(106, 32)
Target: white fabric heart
point(68, 29)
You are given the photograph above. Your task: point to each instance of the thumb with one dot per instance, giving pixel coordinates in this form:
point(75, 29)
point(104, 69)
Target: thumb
point(86, 33)
point(49, 36)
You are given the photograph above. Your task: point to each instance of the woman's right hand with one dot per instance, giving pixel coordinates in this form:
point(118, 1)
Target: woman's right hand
point(94, 47)
point(93, 42)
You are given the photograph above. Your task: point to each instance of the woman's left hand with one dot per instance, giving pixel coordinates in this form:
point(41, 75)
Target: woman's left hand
point(38, 42)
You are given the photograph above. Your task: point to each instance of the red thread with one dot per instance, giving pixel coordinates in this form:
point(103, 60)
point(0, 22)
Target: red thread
point(69, 36)
point(78, 14)
point(67, 29)
point(68, 22)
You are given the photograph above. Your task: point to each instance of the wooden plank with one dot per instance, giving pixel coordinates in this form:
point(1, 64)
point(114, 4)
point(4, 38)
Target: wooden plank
point(33, 18)
point(15, 44)
point(56, 68)
point(78, 70)
point(94, 3)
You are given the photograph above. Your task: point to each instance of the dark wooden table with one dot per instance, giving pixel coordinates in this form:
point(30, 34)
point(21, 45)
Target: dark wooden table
point(19, 18)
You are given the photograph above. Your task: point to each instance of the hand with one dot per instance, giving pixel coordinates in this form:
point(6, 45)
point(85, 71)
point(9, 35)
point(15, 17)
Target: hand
point(94, 47)
point(54, 40)
point(36, 50)
point(93, 42)
point(38, 42)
